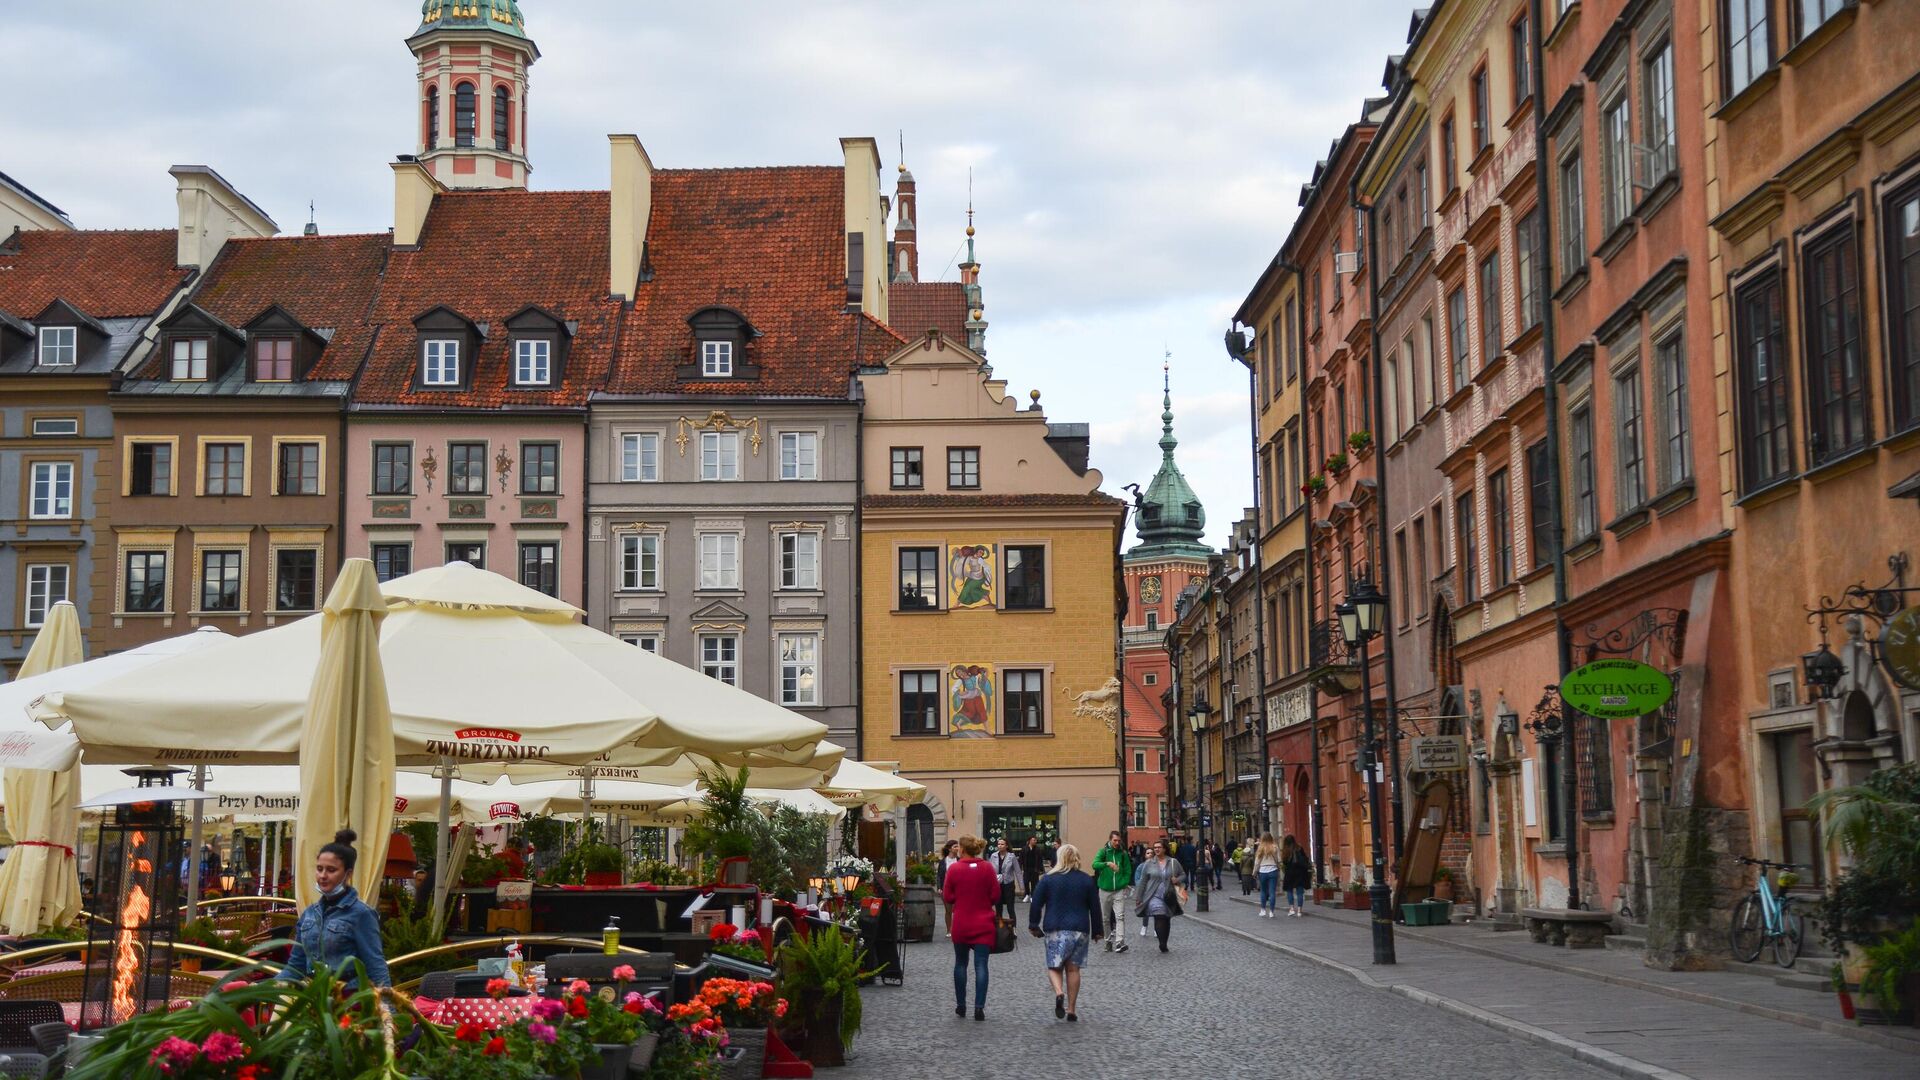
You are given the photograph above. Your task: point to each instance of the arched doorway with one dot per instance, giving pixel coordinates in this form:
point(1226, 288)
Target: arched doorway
point(1856, 718)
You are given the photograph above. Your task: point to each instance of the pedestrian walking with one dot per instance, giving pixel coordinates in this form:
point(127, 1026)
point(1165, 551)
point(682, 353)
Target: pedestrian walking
point(1266, 863)
point(949, 854)
point(1113, 872)
point(1219, 865)
point(1066, 914)
point(971, 890)
point(1244, 867)
point(1035, 859)
point(1296, 873)
point(1158, 891)
point(1006, 867)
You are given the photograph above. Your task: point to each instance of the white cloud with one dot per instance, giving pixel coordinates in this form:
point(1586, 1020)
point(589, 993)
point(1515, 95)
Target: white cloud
point(1135, 164)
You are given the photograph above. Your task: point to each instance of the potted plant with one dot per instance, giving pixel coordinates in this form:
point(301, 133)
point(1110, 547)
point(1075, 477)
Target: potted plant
point(611, 1023)
point(1877, 822)
point(1315, 487)
point(1443, 884)
point(1890, 982)
point(1337, 462)
point(820, 977)
point(1356, 897)
point(600, 864)
point(745, 946)
point(1361, 442)
point(746, 1009)
point(201, 932)
point(1844, 991)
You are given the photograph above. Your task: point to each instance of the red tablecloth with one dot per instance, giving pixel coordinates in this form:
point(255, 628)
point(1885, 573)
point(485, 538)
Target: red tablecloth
point(489, 1012)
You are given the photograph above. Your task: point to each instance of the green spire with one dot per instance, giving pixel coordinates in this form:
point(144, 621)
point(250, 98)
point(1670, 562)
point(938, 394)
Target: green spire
point(1171, 521)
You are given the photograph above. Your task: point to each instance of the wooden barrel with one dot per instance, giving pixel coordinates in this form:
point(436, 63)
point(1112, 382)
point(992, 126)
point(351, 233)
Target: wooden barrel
point(919, 912)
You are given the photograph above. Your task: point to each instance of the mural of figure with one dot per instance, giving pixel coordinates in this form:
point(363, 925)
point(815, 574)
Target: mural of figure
point(970, 575)
point(970, 701)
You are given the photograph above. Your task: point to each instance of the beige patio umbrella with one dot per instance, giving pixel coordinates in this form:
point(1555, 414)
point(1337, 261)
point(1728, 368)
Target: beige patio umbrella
point(346, 741)
point(40, 882)
point(855, 783)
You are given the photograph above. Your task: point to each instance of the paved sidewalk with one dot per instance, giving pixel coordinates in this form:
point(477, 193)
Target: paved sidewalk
point(1599, 1006)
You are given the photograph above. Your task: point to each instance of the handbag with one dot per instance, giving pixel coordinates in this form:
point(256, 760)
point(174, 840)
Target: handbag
point(1004, 938)
point(1173, 899)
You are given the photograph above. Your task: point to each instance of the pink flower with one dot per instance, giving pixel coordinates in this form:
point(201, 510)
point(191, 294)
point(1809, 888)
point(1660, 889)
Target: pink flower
point(174, 1053)
point(623, 973)
point(221, 1048)
point(579, 986)
point(540, 1032)
point(633, 997)
point(237, 984)
point(549, 1009)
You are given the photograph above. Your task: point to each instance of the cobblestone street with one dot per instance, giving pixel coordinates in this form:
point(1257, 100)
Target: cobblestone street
point(1215, 1006)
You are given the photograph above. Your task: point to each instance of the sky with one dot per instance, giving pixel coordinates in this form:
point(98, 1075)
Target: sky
point(1134, 165)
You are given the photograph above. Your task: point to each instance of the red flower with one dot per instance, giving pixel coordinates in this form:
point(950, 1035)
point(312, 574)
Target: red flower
point(497, 988)
point(470, 1032)
point(722, 932)
point(632, 1008)
point(495, 1047)
point(346, 1023)
point(252, 1072)
point(577, 1007)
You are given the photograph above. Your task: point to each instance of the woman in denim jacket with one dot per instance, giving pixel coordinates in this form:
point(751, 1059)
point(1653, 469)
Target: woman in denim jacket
point(340, 928)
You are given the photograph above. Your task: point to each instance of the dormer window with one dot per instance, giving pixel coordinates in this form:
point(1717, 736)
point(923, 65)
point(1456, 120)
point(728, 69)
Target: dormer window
point(190, 359)
point(441, 365)
point(719, 347)
point(273, 360)
point(59, 346)
point(716, 359)
point(533, 362)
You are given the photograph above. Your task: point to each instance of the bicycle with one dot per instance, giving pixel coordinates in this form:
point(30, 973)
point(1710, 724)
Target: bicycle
point(1764, 916)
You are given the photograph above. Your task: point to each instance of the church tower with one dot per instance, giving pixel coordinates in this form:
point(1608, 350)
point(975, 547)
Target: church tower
point(472, 92)
point(906, 248)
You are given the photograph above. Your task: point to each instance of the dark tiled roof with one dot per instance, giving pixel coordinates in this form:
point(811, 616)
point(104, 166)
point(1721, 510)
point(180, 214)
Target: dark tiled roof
point(984, 502)
point(770, 243)
point(914, 307)
point(488, 255)
point(104, 273)
point(327, 283)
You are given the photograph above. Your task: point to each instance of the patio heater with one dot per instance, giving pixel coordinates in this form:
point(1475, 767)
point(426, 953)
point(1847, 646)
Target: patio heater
point(130, 943)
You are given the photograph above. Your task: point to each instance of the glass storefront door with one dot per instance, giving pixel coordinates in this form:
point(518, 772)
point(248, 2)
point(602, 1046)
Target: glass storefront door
point(1015, 824)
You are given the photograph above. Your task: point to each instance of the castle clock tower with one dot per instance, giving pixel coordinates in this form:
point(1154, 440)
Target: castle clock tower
point(471, 97)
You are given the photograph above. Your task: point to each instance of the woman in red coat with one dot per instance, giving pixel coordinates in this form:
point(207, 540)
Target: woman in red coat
point(971, 890)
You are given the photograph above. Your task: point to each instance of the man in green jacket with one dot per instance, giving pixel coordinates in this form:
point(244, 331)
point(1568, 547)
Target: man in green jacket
point(1113, 872)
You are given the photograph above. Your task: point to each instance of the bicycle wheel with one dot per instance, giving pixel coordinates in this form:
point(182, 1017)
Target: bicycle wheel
point(1793, 933)
point(1747, 934)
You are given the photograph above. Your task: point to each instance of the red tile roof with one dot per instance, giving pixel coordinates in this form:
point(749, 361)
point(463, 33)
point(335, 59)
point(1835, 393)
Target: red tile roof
point(326, 282)
point(769, 243)
point(487, 255)
point(914, 307)
point(111, 273)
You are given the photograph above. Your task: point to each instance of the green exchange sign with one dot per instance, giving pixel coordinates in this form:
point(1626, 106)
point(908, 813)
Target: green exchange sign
point(1616, 689)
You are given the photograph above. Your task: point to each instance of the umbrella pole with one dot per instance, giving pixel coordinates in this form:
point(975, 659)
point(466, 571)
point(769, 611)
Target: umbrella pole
point(900, 843)
point(586, 801)
point(442, 863)
point(193, 846)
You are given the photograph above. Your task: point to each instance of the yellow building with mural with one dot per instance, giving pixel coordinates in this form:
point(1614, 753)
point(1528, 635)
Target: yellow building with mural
point(988, 604)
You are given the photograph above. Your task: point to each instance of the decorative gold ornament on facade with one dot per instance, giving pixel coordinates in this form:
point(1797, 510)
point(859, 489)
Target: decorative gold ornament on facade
point(503, 465)
point(717, 420)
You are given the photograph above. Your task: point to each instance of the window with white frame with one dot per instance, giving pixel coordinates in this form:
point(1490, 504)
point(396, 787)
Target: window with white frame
point(47, 585)
point(799, 669)
point(1163, 812)
point(719, 560)
point(1139, 812)
point(52, 493)
point(1139, 761)
point(720, 657)
point(532, 362)
point(645, 642)
point(190, 359)
point(640, 561)
point(59, 346)
point(441, 366)
point(799, 560)
point(799, 455)
point(640, 457)
point(719, 455)
point(716, 359)
point(44, 426)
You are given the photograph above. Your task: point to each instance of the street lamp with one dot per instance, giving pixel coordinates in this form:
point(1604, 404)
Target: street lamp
point(1197, 719)
point(1823, 670)
point(1360, 617)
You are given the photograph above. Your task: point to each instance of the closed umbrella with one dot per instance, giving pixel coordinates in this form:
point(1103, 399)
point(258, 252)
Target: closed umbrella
point(40, 882)
point(346, 741)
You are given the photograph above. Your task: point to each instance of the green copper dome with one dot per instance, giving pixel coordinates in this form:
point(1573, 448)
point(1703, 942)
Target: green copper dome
point(502, 16)
point(1171, 520)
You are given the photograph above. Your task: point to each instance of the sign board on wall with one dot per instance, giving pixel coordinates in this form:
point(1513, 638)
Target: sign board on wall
point(1439, 753)
point(1900, 647)
point(1616, 688)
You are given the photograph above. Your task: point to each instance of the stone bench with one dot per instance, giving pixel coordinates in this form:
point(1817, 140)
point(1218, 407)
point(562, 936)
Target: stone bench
point(1563, 926)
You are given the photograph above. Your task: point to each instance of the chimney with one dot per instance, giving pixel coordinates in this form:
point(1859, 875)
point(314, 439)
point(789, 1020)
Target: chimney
point(211, 213)
point(866, 219)
point(413, 191)
point(630, 206)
